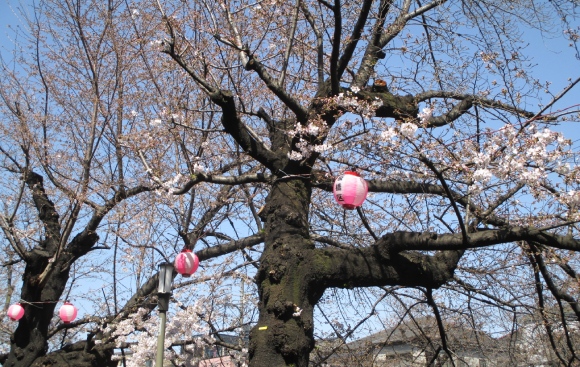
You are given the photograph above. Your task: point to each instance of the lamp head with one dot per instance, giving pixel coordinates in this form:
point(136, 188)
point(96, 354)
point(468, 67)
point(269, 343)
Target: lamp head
point(165, 277)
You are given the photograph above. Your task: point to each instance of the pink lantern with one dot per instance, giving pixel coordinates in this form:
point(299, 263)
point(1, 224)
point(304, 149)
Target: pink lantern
point(186, 263)
point(67, 312)
point(15, 312)
point(350, 190)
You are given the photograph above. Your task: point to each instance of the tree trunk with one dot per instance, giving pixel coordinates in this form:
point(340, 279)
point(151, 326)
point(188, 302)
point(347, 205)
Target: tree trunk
point(41, 291)
point(29, 341)
point(80, 354)
point(287, 293)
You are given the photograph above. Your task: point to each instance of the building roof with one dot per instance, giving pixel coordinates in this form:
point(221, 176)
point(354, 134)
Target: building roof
point(424, 331)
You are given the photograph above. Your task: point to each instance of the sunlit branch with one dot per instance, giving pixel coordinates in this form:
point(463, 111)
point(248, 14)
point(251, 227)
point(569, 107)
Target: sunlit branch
point(466, 102)
point(330, 241)
point(250, 62)
point(289, 44)
point(502, 199)
point(401, 241)
point(46, 211)
point(319, 46)
point(334, 77)
point(10, 235)
point(373, 51)
point(491, 299)
point(278, 90)
point(556, 99)
point(221, 200)
point(413, 187)
point(226, 248)
point(354, 37)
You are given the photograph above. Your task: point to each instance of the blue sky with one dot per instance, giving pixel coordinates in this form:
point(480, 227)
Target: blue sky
point(556, 61)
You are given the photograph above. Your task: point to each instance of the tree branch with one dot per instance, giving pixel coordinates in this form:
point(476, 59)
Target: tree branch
point(334, 75)
point(425, 241)
point(354, 37)
point(379, 266)
point(223, 180)
point(466, 102)
point(290, 41)
point(319, 46)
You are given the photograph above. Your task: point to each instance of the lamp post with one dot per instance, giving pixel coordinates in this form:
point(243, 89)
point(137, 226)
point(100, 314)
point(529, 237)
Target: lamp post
point(163, 294)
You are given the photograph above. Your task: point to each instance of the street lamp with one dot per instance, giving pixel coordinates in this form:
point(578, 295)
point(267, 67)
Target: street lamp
point(163, 294)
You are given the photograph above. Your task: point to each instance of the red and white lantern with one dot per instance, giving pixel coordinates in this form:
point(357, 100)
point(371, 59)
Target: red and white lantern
point(15, 312)
point(186, 263)
point(67, 312)
point(350, 190)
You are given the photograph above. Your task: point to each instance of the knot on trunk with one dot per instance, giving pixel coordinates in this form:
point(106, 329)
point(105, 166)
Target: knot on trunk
point(283, 310)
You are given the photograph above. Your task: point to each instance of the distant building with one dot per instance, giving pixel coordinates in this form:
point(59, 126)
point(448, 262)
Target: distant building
point(418, 345)
point(530, 346)
point(225, 361)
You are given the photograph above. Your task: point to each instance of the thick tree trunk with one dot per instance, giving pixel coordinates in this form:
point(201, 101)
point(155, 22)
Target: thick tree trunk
point(29, 341)
point(80, 354)
point(287, 293)
point(293, 274)
point(41, 291)
point(44, 281)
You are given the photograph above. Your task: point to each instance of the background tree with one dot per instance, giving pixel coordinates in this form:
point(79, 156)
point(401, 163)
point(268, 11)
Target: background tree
point(133, 130)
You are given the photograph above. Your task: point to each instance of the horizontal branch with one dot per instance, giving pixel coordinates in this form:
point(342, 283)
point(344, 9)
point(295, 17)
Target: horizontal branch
point(407, 241)
point(466, 101)
point(226, 248)
point(376, 266)
point(394, 259)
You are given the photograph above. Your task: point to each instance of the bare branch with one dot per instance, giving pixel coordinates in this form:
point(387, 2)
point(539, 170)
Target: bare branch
point(289, 44)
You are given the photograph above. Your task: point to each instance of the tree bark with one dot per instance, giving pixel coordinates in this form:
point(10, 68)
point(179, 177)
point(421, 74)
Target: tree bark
point(284, 333)
point(294, 274)
point(29, 341)
point(44, 280)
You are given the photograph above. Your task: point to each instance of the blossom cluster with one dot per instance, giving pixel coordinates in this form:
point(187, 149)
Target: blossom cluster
point(406, 129)
point(305, 149)
point(352, 103)
point(425, 115)
point(527, 155)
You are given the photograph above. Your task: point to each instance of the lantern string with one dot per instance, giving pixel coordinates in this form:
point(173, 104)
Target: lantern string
point(287, 176)
point(34, 304)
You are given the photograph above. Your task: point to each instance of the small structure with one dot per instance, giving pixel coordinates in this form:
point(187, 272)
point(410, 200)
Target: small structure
point(418, 344)
point(225, 361)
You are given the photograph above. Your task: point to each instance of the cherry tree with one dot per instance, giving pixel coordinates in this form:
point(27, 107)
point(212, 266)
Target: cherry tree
point(133, 130)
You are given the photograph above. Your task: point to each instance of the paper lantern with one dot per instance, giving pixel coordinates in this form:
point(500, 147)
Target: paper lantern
point(67, 312)
point(15, 312)
point(350, 190)
point(186, 263)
